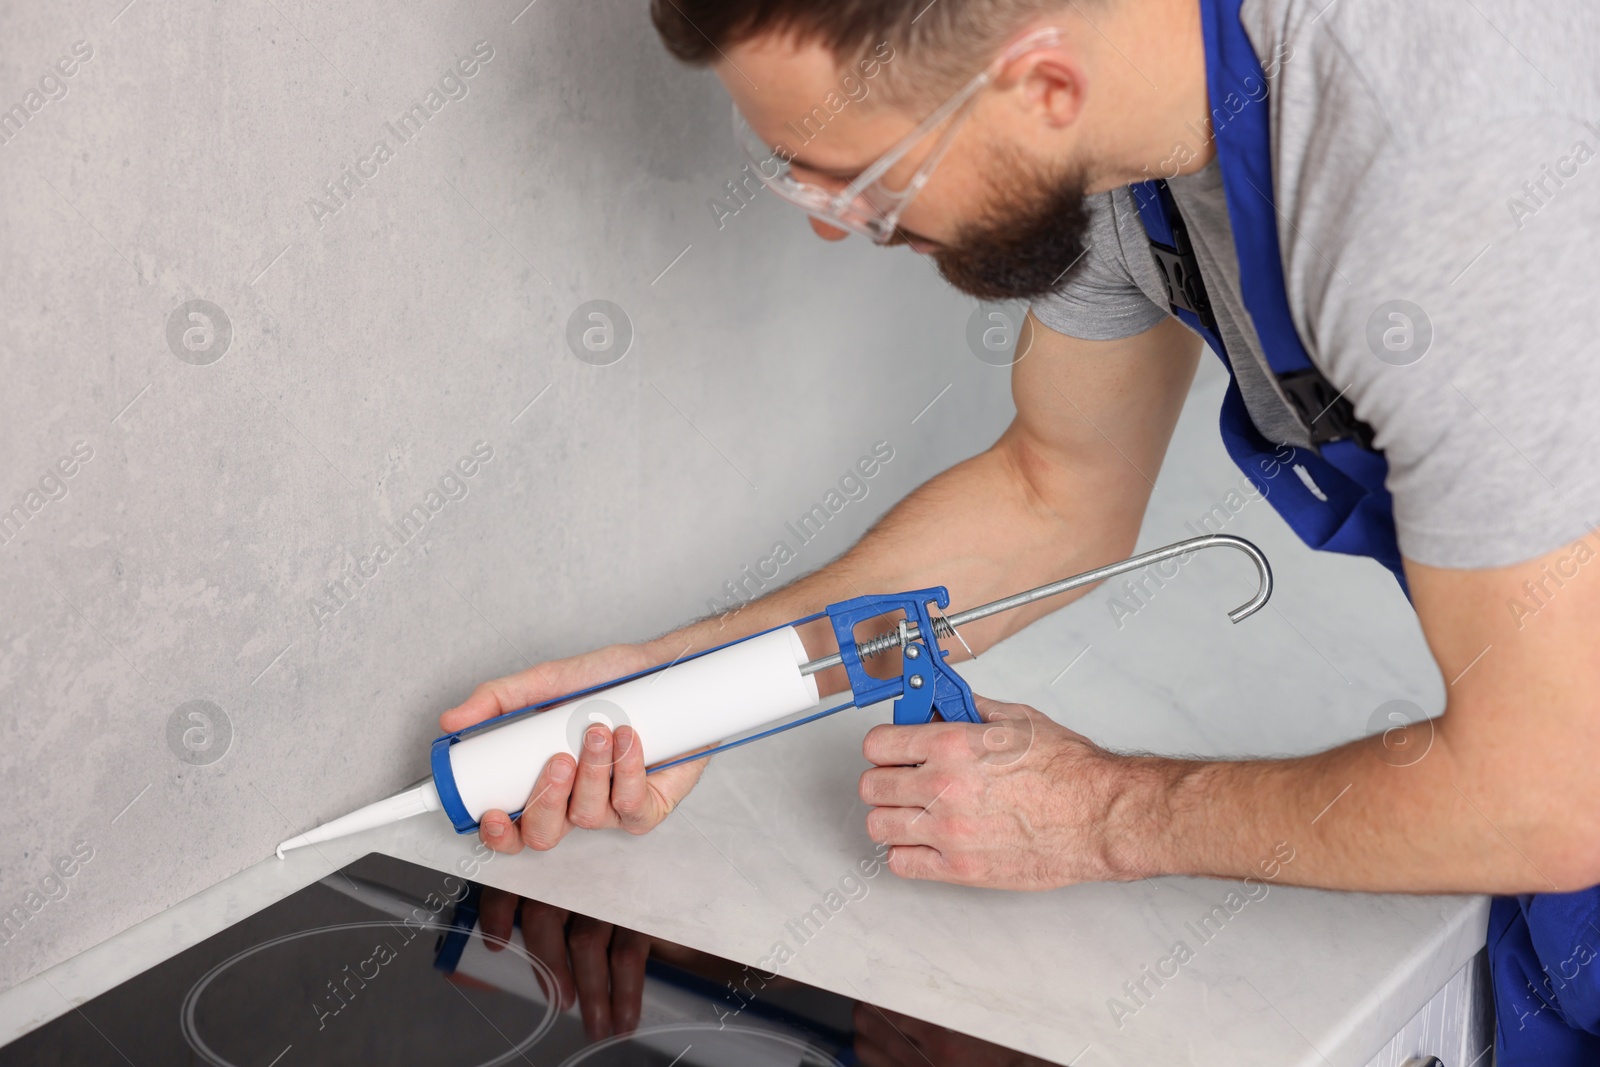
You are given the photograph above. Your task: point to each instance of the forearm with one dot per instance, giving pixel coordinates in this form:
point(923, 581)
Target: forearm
point(982, 529)
point(1063, 490)
point(1364, 816)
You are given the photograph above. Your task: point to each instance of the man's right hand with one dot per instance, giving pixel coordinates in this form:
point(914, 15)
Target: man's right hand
point(607, 787)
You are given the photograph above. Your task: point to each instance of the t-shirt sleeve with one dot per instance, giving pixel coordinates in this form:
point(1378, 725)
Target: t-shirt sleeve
point(1099, 300)
point(1465, 327)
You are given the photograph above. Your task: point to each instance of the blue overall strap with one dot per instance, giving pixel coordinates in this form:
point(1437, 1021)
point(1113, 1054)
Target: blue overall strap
point(1334, 498)
point(1544, 950)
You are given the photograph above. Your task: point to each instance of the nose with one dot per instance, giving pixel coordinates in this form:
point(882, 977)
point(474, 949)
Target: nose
point(826, 232)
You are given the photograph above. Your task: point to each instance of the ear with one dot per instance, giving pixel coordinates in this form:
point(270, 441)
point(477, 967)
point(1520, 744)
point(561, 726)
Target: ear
point(1049, 83)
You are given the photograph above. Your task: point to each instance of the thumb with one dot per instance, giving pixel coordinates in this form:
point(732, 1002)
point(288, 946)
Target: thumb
point(499, 696)
point(547, 681)
point(990, 710)
point(1009, 733)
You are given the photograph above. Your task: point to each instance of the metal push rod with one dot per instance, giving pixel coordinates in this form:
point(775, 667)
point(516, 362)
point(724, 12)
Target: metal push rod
point(945, 626)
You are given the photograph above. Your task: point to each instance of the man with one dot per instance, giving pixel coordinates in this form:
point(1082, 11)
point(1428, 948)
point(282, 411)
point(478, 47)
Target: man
point(1384, 219)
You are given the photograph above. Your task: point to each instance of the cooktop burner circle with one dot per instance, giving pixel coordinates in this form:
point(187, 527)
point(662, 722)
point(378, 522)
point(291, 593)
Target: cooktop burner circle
point(722, 1045)
point(191, 1013)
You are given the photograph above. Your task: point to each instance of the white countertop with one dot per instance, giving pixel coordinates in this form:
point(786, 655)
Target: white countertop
point(1297, 977)
point(1294, 977)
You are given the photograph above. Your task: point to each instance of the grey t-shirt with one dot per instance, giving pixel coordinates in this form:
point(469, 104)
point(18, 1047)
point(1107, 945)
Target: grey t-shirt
point(1441, 154)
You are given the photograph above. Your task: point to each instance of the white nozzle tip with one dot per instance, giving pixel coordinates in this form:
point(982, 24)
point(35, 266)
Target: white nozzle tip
point(413, 801)
point(293, 842)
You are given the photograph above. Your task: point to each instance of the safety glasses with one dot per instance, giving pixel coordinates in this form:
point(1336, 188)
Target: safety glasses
point(866, 205)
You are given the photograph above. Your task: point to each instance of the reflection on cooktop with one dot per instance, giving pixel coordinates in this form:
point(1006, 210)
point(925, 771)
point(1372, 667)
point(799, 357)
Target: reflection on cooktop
point(386, 962)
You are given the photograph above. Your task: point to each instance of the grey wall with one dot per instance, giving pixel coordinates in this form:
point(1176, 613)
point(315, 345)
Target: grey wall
point(222, 480)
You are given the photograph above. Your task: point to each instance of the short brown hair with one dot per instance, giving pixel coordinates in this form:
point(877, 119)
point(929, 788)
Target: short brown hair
point(951, 40)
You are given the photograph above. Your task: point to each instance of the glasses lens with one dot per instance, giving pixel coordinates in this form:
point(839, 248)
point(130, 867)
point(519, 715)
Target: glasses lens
point(757, 151)
point(860, 215)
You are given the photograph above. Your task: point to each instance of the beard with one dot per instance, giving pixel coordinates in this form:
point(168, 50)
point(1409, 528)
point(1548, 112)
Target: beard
point(1024, 247)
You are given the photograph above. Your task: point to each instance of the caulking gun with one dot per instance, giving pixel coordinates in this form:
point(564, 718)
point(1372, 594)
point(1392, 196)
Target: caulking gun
point(678, 708)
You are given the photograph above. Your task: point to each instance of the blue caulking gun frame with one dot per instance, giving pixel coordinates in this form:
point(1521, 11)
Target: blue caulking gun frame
point(926, 686)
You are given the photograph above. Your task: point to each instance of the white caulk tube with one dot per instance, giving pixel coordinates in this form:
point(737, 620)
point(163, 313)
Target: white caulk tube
point(673, 711)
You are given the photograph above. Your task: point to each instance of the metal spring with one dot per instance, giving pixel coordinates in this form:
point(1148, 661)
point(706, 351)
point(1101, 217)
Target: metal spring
point(900, 637)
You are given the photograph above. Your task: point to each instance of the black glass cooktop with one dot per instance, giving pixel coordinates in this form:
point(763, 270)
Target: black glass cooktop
point(388, 963)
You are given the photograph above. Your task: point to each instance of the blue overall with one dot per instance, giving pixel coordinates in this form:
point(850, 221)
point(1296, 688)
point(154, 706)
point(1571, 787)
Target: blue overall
point(1542, 949)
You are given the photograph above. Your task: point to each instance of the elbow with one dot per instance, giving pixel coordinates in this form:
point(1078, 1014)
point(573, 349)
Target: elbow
point(1532, 798)
point(1558, 840)
point(1571, 863)
point(1054, 487)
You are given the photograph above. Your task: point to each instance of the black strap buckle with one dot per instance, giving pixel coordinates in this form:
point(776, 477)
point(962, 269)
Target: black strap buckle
point(1327, 412)
point(1180, 268)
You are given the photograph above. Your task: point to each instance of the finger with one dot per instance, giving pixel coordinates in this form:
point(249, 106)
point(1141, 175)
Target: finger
point(1001, 711)
point(902, 826)
point(588, 942)
point(915, 1030)
point(878, 1043)
point(1008, 733)
point(919, 861)
point(674, 783)
point(544, 816)
point(545, 682)
point(912, 1044)
point(871, 1052)
point(991, 710)
point(1020, 724)
point(826, 232)
point(498, 696)
point(632, 799)
point(497, 832)
point(497, 914)
point(630, 950)
point(591, 791)
point(897, 787)
point(902, 746)
point(544, 932)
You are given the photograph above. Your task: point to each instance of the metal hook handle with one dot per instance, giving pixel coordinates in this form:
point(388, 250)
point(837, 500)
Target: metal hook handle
point(1100, 574)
